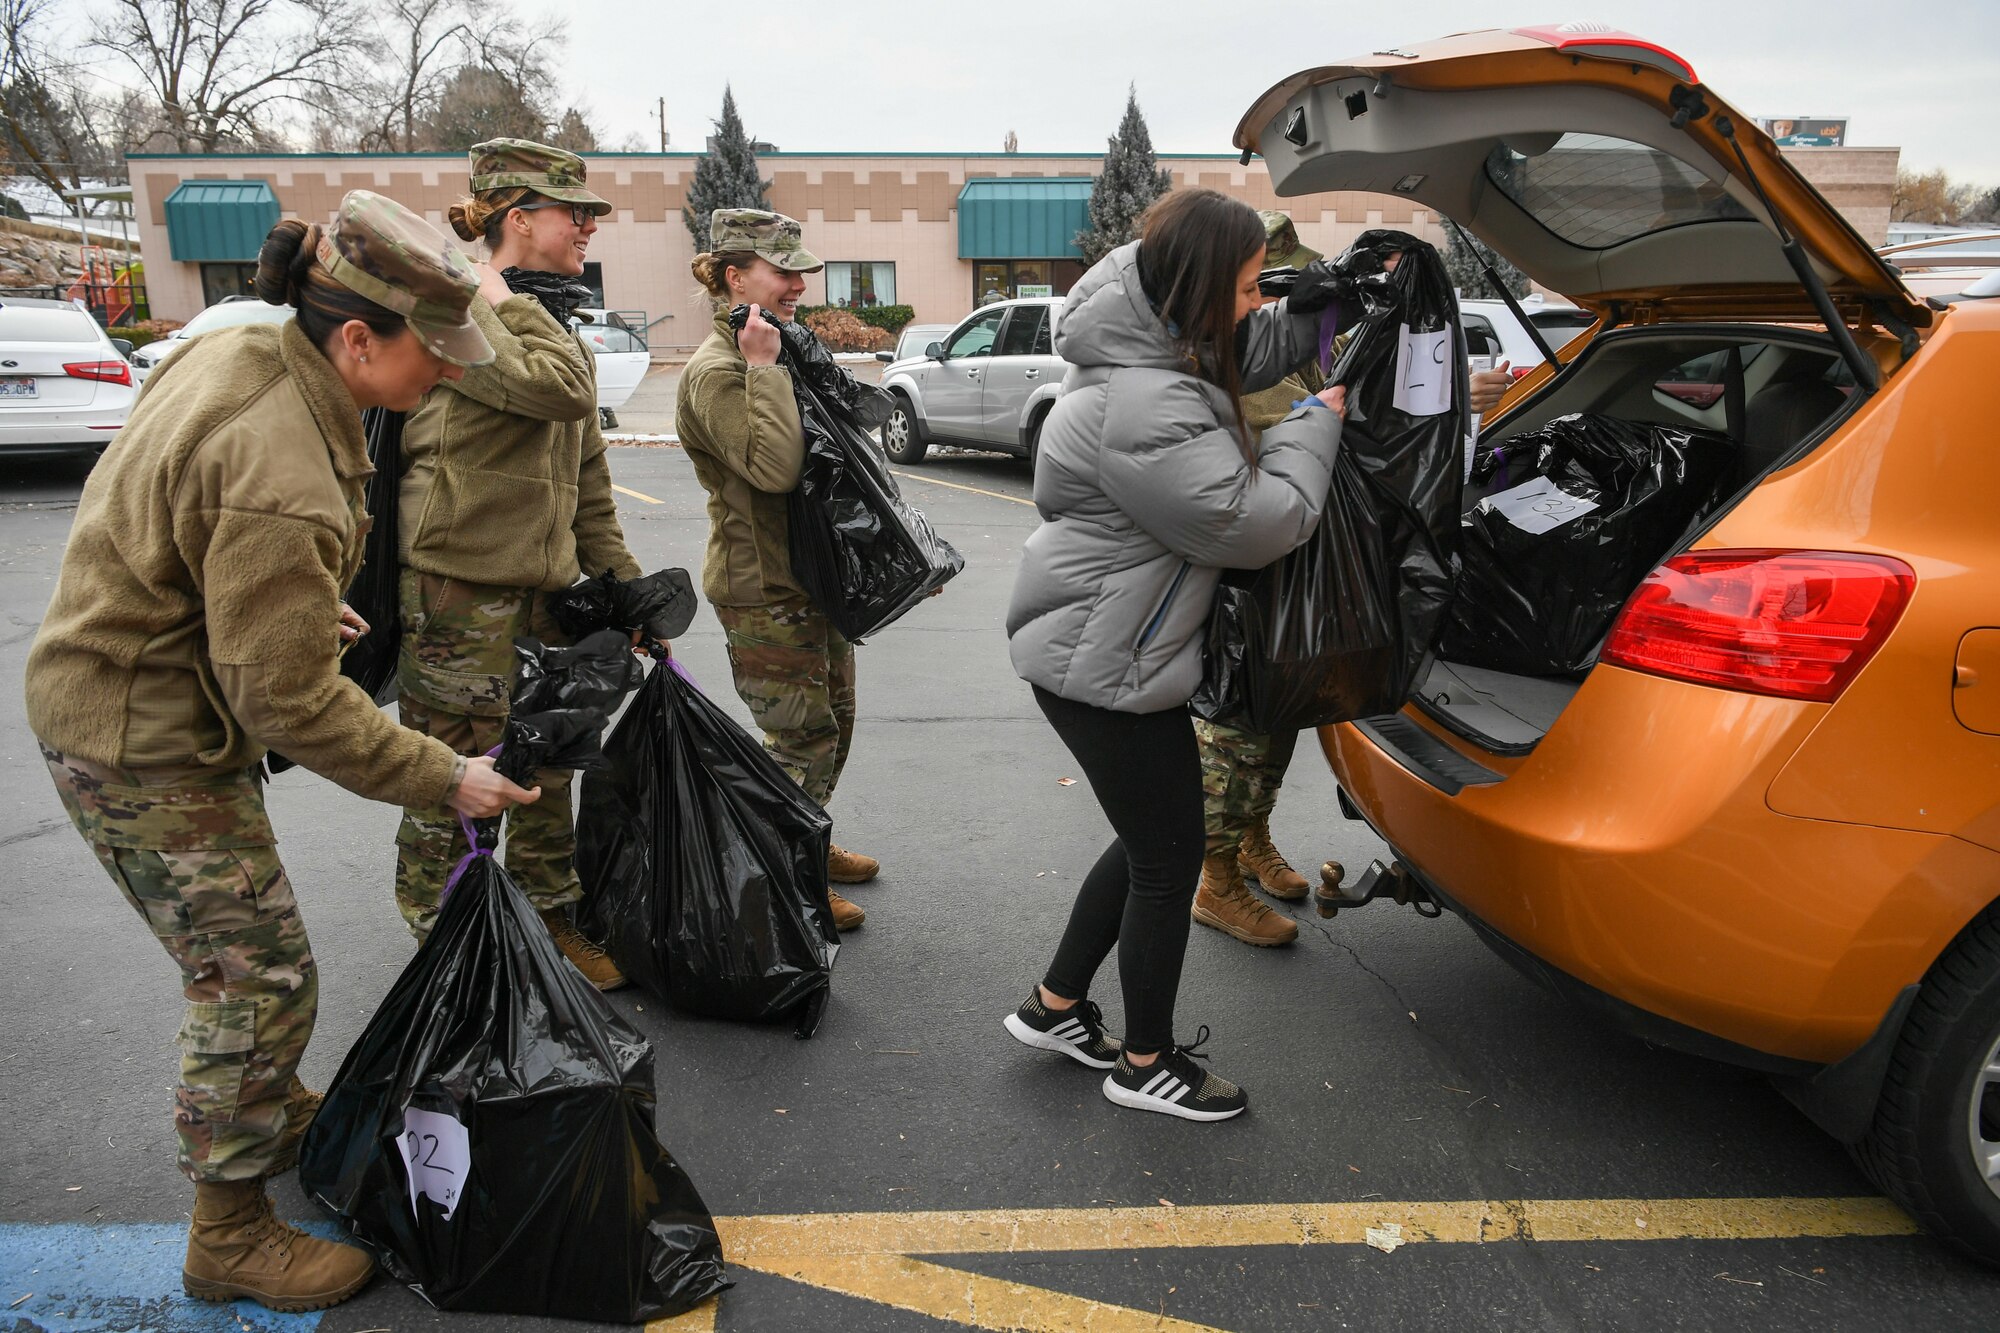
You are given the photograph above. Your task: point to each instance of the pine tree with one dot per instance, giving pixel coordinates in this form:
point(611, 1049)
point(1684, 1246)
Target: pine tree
point(1130, 181)
point(725, 177)
point(1462, 265)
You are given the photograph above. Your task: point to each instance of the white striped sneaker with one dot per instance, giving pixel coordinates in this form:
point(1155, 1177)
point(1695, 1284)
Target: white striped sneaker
point(1175, 1085)
point(1077, 1031)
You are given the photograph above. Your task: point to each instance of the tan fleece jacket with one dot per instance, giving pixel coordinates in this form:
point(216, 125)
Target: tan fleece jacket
point(505, 479)
point(194, 620)
point(740, 427)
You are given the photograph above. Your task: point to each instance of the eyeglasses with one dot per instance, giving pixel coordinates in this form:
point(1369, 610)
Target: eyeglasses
point(580, 214)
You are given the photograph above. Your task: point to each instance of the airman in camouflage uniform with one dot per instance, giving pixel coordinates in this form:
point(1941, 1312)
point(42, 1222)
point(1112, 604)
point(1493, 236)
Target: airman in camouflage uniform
point(195, 623)
point(739, 424)
point(506, 498)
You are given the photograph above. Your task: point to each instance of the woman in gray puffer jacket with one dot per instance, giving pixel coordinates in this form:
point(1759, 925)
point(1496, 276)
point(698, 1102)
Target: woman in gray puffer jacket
point(1149, 486)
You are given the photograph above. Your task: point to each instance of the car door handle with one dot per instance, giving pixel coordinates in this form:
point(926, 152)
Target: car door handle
point(1032, 374)
point(972, 374)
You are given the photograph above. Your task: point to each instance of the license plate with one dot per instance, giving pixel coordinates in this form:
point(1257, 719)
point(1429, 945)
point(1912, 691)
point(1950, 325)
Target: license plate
point(17, 386)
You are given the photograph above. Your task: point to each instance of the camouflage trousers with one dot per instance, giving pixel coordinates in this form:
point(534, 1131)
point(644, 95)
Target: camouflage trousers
point(192, 850)
point(454, 677)
point(1241, 772)
point(796, 673)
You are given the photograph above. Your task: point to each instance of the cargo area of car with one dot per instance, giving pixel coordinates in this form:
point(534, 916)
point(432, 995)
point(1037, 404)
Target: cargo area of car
point(1770, 393)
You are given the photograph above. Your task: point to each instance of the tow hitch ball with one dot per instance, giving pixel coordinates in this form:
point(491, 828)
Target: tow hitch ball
point(1392, 881)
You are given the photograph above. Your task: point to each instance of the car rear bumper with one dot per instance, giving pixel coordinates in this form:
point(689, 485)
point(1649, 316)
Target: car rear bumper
point(77, 430)
point(1633, 856)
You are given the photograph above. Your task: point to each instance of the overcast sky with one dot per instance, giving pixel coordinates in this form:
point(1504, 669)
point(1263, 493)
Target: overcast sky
point(953, 76)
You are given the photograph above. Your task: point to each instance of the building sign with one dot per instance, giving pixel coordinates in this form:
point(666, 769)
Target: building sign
point(1035, 289)
point(1806, 131)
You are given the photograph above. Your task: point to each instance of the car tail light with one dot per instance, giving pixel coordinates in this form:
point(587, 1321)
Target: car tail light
point(110, 372)
point(1792, 624)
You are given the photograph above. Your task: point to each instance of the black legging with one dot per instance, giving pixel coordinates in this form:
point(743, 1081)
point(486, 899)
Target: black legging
point(1145, 771)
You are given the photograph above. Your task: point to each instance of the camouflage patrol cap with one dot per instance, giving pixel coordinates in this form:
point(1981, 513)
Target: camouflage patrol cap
point(771, 236)
point(555, 172)
point(381, 250)
point(1281, 241)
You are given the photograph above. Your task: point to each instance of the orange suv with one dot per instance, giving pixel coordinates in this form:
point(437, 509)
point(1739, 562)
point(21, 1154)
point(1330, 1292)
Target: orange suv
point(1754, 817)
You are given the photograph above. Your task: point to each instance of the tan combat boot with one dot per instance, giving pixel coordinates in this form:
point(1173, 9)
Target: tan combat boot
point(587, 958)
point(237, 1247)
point(845, 867)
point(846, 916)
point(1261, 861)
point(301, 1105)
point(1222, 901)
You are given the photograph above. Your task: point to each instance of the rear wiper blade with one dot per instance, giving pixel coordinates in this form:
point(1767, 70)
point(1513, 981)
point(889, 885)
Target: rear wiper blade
point(1493, 280)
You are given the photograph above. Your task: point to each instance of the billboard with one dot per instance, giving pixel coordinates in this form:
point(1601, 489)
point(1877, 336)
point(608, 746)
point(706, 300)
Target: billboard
point(1806, 131)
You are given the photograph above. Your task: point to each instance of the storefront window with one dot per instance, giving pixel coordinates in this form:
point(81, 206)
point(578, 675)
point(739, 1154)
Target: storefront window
point(1000, 280)
point(222, 281)
point(861, 284)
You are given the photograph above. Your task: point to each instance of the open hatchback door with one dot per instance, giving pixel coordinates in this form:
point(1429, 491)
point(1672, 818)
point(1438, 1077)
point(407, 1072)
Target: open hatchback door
point(1595, 161)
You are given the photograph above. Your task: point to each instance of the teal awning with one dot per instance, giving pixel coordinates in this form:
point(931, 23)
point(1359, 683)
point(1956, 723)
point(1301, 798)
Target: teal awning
point(1022, 217)
point(219, 221)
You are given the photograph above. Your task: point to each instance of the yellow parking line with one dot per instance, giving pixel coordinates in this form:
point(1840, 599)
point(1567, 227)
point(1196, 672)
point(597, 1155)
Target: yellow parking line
point(968, 1298)
point(871, 1256)
point(760, 1240)
point(636, 495)
point(911, 476)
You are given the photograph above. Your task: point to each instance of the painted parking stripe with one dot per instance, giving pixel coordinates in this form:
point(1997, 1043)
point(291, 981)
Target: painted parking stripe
point(755, 1240)
point(872, 1256)
point(636, 495)
point(952, 485)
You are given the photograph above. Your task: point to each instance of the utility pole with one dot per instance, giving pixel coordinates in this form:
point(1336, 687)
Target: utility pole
point(663, 125)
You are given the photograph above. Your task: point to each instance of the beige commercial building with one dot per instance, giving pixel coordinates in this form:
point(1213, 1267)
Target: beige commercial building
point(939, 232)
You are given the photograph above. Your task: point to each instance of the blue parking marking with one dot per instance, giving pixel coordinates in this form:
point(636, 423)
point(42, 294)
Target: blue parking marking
point(66, 1278)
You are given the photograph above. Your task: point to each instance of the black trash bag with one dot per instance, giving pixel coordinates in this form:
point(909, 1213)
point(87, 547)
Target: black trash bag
point(601, 669)
point(704, 865)
point(370, 661)
point(1339, 628)
point(1358, 278)
point(561, 700)
point(491, 1137)
point(661, 605)
point(1577, 513)
point(862, 554)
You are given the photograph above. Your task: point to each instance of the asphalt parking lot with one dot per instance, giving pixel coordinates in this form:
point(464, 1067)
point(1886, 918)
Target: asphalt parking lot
point(911, 1167)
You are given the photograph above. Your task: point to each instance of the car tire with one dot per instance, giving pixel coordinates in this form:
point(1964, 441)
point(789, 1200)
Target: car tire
point(607, 419)
point(1939, 1114)
point(903, 433)
point(1035, 438)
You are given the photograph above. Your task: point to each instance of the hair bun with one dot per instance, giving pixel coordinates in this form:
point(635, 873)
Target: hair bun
point(469, 225)
point(283, 261)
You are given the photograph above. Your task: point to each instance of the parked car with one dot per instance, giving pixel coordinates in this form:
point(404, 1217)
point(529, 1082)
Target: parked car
point(65, 386)
point(1491, 329)
point(226, 313)
point(622, 358)
point(1764, 825)
point(1947, 264)
point(986, 384)
point(912, 341)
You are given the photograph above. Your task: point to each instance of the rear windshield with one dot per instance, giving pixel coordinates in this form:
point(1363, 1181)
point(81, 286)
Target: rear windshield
point(1596, 191)
point(42, 324)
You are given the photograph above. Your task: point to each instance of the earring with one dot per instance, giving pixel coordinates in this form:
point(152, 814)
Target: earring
point(364, 360)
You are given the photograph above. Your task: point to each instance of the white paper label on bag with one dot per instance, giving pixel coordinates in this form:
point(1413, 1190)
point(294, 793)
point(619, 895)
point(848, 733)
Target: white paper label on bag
point(1537, 506)
point(437, 1154)
point(1424, 373)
